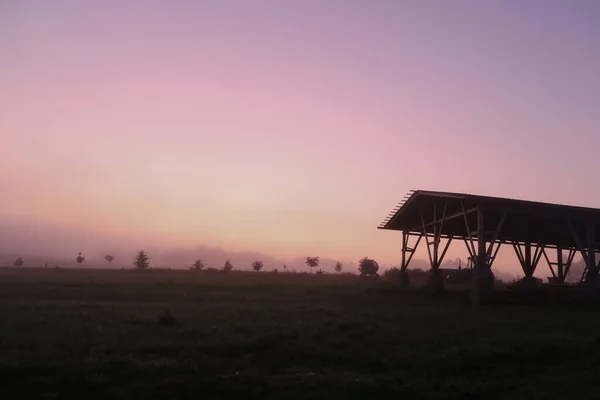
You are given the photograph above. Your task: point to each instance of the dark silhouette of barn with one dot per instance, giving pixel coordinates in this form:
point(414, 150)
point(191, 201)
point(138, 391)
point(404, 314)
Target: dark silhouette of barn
point(534, 230)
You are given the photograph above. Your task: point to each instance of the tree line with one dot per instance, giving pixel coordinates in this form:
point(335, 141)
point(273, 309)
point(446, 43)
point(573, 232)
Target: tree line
point(141, 261)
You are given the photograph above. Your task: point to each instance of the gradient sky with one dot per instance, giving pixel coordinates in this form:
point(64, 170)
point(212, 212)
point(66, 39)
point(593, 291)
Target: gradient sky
point(290, 127)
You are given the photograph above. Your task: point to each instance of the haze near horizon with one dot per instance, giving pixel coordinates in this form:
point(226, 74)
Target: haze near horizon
point(286, 128)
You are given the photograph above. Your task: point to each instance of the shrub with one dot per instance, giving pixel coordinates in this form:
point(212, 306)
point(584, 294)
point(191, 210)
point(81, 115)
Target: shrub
point(392, 273)
point(18, 262)
point(228, 266)
point(257, 265)
point(338, 267)
point(166, 318)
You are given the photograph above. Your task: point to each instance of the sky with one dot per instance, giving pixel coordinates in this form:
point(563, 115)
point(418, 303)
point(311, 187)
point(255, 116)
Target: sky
point(289, 128)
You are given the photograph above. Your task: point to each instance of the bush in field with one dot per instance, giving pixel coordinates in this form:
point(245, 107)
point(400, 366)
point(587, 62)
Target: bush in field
point(257, 265)
point(166, 318)
point(109, 257)
point(80, 258)
point(18, 262)
point(228, 266)
point(320, 272)
point(312, 262)
point(338, 267)
point(392, 273)
point(141, 261)
point(197, 265)
point(367, 267)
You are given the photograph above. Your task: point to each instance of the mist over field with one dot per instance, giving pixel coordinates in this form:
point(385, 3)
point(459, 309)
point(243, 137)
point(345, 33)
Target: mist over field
point(40, 243)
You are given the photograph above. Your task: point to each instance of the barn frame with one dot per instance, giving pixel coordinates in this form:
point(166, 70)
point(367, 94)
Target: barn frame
point(483, 223)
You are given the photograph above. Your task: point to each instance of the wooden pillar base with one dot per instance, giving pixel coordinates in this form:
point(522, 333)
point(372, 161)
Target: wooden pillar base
point(404, 279)
point(436, 281)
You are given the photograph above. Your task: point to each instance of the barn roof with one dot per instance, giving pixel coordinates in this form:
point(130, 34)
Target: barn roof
point(524, 221)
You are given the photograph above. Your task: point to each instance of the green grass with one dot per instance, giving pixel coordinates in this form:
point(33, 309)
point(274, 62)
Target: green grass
point(103, 334)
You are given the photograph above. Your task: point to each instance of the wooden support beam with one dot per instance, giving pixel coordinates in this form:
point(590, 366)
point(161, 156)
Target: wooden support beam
point(527, 265)
point(495, 234)
point(578, 242)
point(446, 218)
point(519, 254)
point(591, 242)
point(445, 249)
point(493, 257)
point(529, 261)
point(550, 265)
point(481, 250)
point(473, 251)
point(426, 241)
point(469, 249)
point(406, 249)
point(403, 250)
point(569, 262)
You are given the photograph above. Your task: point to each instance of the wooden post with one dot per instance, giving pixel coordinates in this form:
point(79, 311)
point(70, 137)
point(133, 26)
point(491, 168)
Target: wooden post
point(591, 250)
point(560, 265)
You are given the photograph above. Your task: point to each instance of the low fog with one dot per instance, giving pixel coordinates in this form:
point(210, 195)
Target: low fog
point(44, 243)
point(40, 243)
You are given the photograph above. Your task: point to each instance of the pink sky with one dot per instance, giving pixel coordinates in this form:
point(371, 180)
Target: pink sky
point(290, 128)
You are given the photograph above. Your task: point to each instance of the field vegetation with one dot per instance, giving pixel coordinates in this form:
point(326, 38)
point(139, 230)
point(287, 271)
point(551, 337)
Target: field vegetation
point(158, 334)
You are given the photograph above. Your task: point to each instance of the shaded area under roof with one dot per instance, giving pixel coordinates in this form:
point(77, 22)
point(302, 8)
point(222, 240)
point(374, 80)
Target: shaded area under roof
point(525, 222)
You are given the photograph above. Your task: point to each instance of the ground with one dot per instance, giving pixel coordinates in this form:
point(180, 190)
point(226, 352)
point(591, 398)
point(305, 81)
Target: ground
point(106, 334)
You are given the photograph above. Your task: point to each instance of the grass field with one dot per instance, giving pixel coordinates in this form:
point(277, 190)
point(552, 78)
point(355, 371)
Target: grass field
point(98, 334)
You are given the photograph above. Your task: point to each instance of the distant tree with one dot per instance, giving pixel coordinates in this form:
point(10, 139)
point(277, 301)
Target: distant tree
point(367, 267)
point(320, 272)
point(197, 265)
point(141, 260)
point(109, 257)
point(18, 262)
point(228, 266)
point(257, 265)
point(284, 268)
point(80, 258)
point(312, 262)
point(362, 263)
point(338, 267)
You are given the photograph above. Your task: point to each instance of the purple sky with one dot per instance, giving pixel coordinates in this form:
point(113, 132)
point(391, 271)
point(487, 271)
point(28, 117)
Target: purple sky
point(290, 127)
